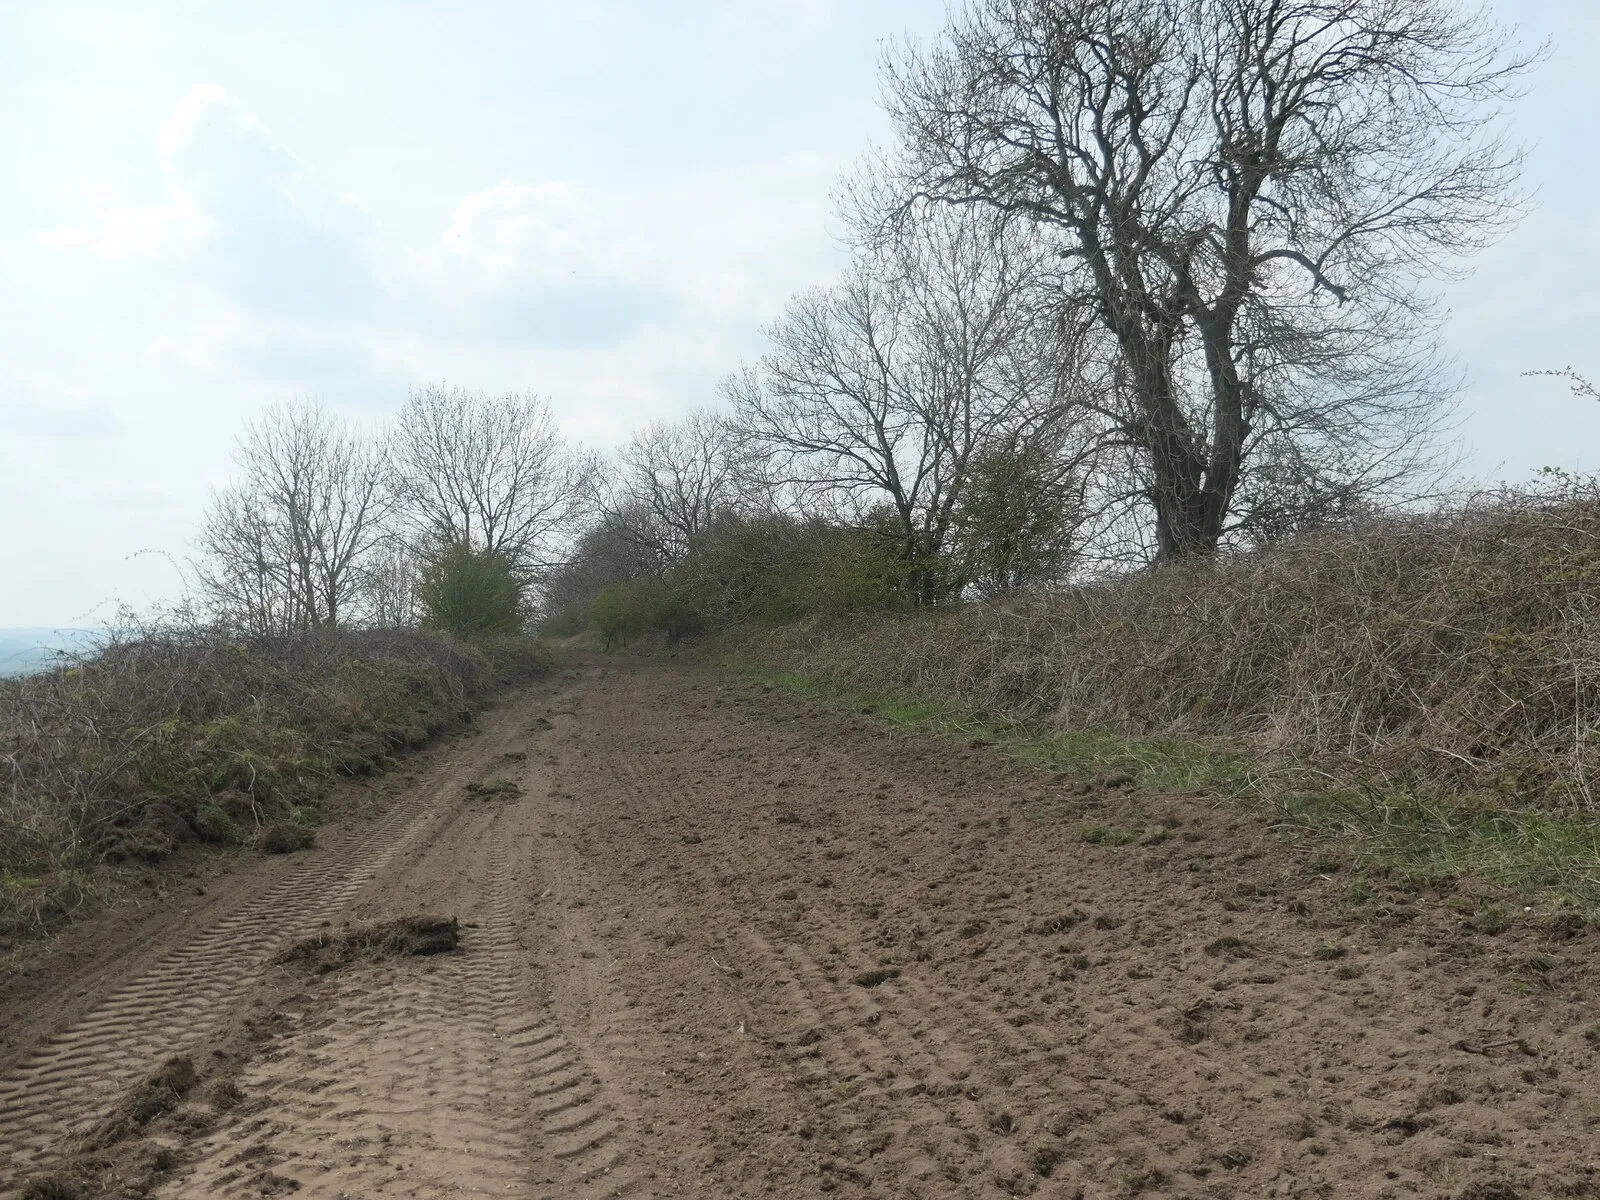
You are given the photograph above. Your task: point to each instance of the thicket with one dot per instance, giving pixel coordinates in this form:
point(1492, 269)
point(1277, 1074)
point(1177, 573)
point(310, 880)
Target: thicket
point(1455, 653)
point(766, 568)
point(187, 732)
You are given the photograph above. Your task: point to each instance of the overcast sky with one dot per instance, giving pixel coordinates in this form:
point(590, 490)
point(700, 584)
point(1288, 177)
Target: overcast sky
point(212, 207)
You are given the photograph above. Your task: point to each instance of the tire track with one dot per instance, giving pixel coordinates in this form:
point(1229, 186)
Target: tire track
point(431, 1077)
point(861, 1058)
point(56, 1091)
point(70, 1080)
point(965, 1086)
point(584, 1146)
point(398, 1074)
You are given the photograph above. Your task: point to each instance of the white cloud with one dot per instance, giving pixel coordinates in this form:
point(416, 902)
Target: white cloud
point(515, 233)
point(123, 233)
point(808, 17)
point(243, 215)
point(533, 263)
point(36, 406)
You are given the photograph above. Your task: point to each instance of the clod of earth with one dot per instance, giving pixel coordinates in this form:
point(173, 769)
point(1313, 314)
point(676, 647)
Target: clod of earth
point(495, 787)
point(1229, 947)
point(387, 939)
point(285, 837)
point(50, 1189)
point(148, 1100)
point(872, 979)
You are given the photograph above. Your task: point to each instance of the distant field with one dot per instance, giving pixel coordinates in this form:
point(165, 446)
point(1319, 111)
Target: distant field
point(23, 651)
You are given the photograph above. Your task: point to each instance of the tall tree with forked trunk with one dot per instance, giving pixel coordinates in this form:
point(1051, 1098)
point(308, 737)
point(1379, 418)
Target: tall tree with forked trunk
point(1246, 199)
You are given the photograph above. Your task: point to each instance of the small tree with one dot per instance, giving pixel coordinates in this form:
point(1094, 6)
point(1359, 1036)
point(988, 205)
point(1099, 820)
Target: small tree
point(468, 590)
point(618, 613)
point(1017, 520)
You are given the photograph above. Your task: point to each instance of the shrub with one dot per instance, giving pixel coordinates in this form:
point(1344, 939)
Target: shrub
point(675, 616)
point(619, 613)
point(774, 568)
point(468, 591)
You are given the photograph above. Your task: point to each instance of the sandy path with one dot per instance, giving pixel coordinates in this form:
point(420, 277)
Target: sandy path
point(724, 943)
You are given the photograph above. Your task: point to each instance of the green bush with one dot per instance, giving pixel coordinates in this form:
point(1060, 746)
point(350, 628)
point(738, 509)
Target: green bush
point(619, 613)
point(468, 591)
point(773, 569)
point(769, 568)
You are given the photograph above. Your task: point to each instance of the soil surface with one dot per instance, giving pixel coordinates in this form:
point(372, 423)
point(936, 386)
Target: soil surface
point(682, 935)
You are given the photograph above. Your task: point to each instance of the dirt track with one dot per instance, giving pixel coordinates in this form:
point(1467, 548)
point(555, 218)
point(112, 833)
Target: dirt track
point(725, 943)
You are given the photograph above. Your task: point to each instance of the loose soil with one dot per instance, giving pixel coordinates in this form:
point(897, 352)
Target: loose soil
point(651, 930)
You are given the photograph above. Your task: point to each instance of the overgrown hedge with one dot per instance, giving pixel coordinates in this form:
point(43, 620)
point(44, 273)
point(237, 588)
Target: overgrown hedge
point(178, 733)
point(1459, 651)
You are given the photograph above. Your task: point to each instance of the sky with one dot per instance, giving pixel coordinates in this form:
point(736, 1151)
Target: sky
point(212, 208)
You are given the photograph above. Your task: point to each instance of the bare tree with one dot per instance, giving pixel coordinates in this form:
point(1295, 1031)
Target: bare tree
point(243, 576)
point(876, 393)
point(1245, 197)
point(673, 478)
point(285, 547)
point(393, 570)
point(493, 473)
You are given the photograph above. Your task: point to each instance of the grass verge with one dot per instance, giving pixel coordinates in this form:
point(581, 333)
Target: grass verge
point(1154, 764)
point(1382, 828)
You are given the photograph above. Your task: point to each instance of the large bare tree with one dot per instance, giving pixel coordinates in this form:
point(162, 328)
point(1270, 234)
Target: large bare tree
point(285, 547)
point(1245, 197)
point(876, 394)
point(494, 473)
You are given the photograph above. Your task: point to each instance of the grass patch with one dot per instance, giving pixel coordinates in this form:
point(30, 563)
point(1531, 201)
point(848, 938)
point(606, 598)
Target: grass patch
point(1434, 841)
point(1153, 764)
point(215, 825)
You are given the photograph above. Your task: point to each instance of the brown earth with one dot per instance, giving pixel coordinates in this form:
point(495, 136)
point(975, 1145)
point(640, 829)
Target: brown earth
point(717, 941)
